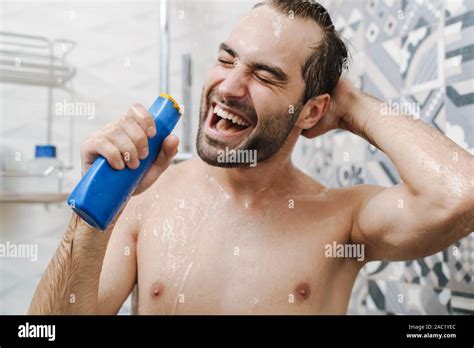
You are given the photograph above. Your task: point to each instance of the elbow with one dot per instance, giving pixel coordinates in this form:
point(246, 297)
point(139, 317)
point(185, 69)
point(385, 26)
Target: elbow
point(458, 214)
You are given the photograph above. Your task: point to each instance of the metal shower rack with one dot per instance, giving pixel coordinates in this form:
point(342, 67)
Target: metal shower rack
point(37, 61)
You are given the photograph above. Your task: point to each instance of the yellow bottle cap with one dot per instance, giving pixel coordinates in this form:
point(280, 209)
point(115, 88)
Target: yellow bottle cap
point(175, 103)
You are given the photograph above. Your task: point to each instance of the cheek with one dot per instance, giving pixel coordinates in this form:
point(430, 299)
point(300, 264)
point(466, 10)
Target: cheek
point(214, 75)
point(263, 98)
point(266, 101)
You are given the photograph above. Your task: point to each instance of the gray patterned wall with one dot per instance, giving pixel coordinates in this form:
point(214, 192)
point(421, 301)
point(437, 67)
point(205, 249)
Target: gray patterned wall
point(404, 52)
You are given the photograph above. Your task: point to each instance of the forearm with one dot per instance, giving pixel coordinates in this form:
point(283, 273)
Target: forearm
point(71, 281)
point(429, 163)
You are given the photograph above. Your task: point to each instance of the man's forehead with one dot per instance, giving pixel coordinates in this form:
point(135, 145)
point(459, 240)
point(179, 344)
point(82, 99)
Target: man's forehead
point(266, 33)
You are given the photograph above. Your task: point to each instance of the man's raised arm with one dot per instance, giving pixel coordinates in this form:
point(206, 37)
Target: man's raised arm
point(432, 207)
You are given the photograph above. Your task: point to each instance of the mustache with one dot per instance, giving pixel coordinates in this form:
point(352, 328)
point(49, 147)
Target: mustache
point(237, 105)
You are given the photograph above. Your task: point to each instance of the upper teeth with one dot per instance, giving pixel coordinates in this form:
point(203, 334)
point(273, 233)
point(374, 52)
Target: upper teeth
point(230, 116)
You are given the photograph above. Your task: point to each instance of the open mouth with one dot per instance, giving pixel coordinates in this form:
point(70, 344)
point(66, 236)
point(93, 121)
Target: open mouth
point(223, 123)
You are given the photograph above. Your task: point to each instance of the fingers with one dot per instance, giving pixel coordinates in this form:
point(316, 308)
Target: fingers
point(144, 119)
point(137, 136)
point(102, 146)
point(117, 136)
point(124, 142)
point(169, 148)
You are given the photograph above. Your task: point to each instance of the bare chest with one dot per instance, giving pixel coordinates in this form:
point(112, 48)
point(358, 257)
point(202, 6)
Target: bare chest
point(212, 260)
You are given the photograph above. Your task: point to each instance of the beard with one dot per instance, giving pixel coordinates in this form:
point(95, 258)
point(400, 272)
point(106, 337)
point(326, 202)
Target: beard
point(269, 134)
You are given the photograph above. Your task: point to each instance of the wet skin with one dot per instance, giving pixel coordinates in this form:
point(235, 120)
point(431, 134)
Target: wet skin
point(214, 240)
point(201, 249)
point(203, 239)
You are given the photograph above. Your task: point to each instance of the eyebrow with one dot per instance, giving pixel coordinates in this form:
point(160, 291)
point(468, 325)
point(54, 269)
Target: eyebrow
point(272, 69)
point(276, 71)
point(224, 47)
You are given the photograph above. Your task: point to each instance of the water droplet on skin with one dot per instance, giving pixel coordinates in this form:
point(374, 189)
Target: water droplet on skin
point(277, 25)
point(221, 189)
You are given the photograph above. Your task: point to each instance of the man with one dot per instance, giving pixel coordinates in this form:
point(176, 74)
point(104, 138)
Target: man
point(215, 236)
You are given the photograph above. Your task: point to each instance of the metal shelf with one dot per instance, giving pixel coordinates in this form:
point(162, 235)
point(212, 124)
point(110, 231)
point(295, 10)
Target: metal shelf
point(35, 60)
point(11, 197)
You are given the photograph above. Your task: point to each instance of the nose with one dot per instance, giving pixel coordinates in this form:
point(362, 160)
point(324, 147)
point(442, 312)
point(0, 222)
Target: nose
point(233, 85)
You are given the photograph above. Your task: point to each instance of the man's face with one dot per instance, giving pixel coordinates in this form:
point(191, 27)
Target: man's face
point(252, 96)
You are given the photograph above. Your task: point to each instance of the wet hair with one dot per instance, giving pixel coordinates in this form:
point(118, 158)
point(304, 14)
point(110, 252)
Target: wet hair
point(323, 67)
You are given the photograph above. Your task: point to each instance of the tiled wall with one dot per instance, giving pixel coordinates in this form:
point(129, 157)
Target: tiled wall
point(410, 52)
point(425, 57)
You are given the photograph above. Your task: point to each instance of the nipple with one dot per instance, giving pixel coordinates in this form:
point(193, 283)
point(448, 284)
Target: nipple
point(303, 291)
point(157, 289)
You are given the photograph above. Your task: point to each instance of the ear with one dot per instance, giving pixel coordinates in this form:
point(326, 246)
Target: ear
point(313, 111)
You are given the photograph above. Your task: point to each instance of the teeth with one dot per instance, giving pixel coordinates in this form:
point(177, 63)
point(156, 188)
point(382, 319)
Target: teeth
point(230, 116)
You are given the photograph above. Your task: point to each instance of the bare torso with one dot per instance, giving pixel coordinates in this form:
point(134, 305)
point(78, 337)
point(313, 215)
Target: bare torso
point(201, 251)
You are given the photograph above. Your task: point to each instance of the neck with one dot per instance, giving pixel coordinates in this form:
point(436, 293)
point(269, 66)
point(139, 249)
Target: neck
point(266, 178)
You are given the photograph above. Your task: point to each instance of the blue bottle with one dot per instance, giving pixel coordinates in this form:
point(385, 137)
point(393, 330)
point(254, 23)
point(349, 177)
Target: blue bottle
point(102, 191)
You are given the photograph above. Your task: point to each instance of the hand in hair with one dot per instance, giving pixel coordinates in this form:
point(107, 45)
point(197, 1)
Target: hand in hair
point(338, 109)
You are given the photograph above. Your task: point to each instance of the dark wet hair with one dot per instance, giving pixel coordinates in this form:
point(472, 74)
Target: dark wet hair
point(323, 67)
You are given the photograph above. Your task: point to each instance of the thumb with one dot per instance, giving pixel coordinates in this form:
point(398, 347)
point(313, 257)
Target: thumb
point(169, 148)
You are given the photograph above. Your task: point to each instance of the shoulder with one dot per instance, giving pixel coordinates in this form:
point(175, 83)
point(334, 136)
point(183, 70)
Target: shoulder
point(357, 194)
point(331, 201)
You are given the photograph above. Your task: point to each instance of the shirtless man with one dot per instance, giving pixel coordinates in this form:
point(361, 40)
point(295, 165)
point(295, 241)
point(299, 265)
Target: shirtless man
point(213, 237)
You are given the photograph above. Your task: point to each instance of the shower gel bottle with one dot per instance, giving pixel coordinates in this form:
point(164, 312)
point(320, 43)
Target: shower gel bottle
point(102, 191)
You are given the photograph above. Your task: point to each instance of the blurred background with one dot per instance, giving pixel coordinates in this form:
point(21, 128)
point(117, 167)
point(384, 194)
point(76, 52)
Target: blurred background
point(69, 67)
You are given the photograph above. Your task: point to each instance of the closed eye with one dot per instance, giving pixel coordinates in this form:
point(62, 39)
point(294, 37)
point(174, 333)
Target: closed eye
point(276, 76)
point(263, 79)
point(224, 61)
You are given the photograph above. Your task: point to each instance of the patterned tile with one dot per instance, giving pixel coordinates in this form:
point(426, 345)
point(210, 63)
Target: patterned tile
point(381, 76)
point(454, 8)
point(394, 297)
point(462, 303)
point(459, 102)
point(421, 61)
point(431, 271)
point(349, 158)
point(459, 47)
point(317, 159)
point(382, 20)
point(381, 171)
point(461, 265)
point(357, 303)
point(384, 270)
point(349, 22)
point(416, 14)
point(375, 299)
